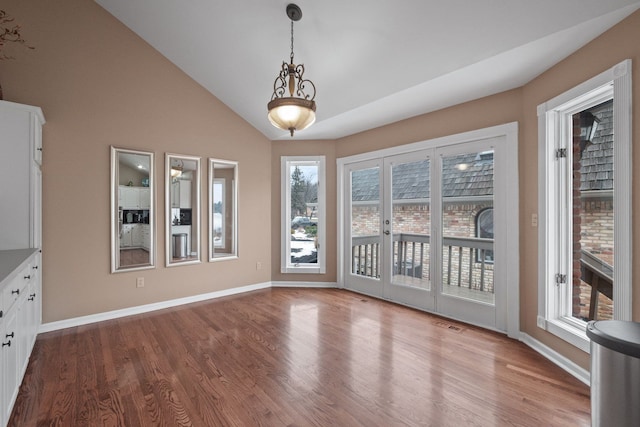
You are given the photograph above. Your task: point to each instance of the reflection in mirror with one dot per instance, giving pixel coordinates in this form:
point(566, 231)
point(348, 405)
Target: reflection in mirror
point(182, 200)
point(223, 212)
point(132, 210)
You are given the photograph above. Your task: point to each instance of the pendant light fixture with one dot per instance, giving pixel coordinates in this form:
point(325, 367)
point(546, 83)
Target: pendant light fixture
point(176, 170)
point(291, 112)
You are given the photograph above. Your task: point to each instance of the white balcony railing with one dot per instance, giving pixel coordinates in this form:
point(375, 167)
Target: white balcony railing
point(467, 261)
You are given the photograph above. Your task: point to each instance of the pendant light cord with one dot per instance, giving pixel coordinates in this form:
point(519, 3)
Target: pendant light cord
point(292, 41)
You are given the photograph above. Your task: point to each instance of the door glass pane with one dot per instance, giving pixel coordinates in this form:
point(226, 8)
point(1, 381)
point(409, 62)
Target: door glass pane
point(411, 224)
point(365, 223)
point(467, 226)
point(592, 213)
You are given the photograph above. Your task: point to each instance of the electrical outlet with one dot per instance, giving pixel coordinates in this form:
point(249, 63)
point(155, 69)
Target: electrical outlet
point(534, 219)
point(258, 265)
point(140, 282)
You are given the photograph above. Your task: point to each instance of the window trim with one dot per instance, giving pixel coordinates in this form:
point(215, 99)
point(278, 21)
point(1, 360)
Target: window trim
point(550, 129)
point(287, 162)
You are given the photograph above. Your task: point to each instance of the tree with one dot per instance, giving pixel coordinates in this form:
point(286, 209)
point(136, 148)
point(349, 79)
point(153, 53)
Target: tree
point(298, 192)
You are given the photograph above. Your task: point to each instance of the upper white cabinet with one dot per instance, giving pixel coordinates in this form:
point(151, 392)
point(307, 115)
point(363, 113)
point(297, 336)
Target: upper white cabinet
point(134, 197)
point(20, 176)
point(181, 194)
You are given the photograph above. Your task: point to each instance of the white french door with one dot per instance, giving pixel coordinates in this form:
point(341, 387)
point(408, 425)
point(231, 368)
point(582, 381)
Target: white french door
point(381, 261)
point(429, 228)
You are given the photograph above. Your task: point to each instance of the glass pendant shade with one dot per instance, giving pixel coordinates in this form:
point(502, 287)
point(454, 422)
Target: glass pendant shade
point(292, 114)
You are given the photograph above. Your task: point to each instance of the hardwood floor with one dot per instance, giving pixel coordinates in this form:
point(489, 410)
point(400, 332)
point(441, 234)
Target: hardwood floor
point(292, 357)
point(134, 257)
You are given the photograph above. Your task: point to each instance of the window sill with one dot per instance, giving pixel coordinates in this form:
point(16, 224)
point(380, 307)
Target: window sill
point(303, 270)
point(572, 334)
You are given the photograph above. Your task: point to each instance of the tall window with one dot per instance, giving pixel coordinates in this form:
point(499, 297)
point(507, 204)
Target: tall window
point(303, 215)
point(585, 216)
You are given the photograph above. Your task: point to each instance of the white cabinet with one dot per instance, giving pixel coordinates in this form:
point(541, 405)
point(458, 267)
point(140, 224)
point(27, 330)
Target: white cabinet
point(185, 194)
point(20, 177)
point(9, 363)
point(135, 236)
point(181, 194)
point(144, 197)
point(20, 309)
point(129, 197)
point(20, 242)
point(125, 237)
point(134, 197)
point(146, 236)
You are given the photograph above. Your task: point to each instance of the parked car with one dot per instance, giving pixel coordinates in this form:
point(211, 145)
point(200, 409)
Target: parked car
point(302, 221)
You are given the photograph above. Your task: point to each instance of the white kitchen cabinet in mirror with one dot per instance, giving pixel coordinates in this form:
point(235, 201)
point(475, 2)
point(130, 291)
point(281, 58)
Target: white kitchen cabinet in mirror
point(223, 212)
point(132, 210)
point(182, 204)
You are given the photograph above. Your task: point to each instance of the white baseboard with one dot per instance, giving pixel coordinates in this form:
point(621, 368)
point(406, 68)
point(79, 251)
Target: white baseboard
point(108, 315)
point(576, 370)
point(304, 284)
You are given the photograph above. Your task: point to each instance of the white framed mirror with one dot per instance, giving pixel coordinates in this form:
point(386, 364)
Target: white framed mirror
point(132, 210)
point(182, 209)
point(223, 209)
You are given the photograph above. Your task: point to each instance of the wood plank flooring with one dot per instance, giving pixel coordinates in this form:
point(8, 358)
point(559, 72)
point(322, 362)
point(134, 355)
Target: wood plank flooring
point(292, 357)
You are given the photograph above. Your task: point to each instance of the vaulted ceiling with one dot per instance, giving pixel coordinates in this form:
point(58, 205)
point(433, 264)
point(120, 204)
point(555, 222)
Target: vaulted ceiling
point(372, 62)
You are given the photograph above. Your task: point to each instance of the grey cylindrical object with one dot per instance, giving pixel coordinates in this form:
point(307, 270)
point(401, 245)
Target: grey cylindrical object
point(180, 245)
point(615, 373)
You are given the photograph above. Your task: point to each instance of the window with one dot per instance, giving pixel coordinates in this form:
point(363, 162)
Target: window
point(585, 226)
point(303, 215)
point(219, 209)
point(484, 230)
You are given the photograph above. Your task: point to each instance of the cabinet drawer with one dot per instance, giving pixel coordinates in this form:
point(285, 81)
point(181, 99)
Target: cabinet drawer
point(18, 286)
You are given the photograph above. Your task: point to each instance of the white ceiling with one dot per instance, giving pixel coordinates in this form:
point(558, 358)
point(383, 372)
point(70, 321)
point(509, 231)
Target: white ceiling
point(372, 62)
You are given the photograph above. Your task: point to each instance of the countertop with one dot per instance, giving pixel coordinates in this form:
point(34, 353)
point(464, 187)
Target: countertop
point(12, 260)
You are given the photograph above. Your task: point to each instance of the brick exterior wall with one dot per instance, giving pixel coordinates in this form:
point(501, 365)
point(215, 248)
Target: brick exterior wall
point(593, 232)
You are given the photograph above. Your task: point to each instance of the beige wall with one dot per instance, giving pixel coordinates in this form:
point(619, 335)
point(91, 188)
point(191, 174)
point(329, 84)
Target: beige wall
point(100, 85)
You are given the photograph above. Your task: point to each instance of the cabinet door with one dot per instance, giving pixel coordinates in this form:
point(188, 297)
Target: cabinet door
point(144, 198)
point(3, 374)
point(136, 235)
point(37, 139)
point(129, 197)
point(146, 237)
point(175, 194)
point(185, 194)
point(9, 363)
point(23, 332)
point(125, 238)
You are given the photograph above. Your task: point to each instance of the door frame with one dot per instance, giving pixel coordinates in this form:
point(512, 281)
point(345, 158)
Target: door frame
point(509, 210)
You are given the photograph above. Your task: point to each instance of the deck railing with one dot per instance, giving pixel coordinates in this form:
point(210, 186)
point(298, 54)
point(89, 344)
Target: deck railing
point(468, 261)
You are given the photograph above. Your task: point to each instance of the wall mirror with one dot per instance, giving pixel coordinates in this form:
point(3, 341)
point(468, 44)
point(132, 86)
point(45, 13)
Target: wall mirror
point(223, 212)
point(132, 210)
point(182, 204)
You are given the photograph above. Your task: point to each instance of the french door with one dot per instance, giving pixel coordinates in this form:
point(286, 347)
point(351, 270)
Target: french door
point(425, 229)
